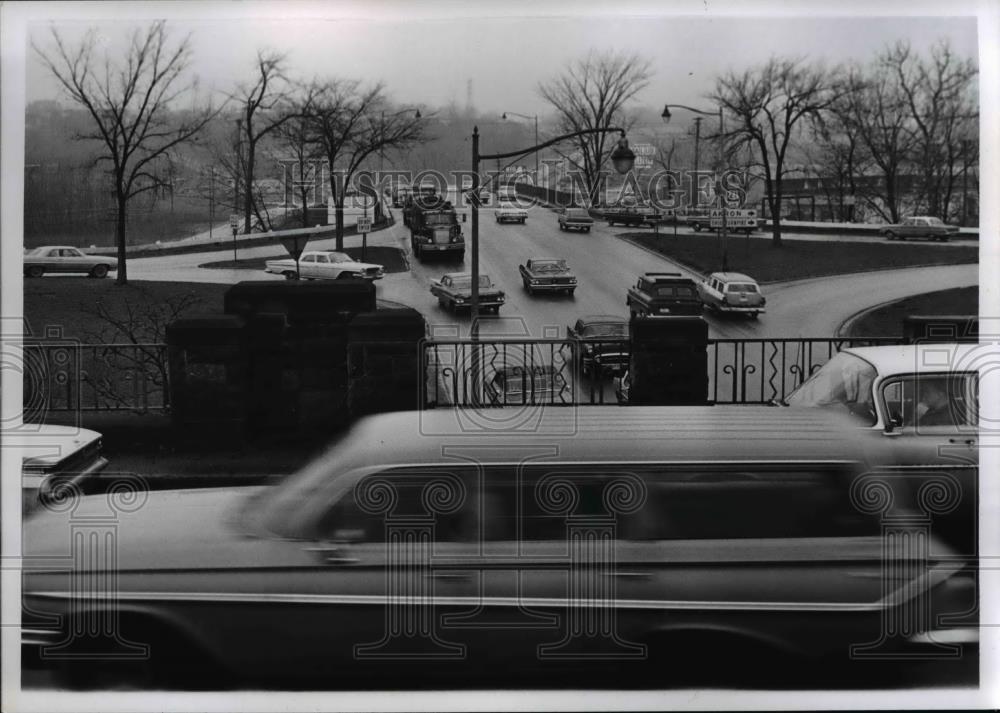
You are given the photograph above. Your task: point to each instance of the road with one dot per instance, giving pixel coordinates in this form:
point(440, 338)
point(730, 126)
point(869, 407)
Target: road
point(605, 265)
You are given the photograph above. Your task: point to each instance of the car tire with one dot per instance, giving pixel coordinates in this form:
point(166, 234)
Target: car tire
point(34, 271)
point(523, 221)
point(99, 271)
point(586, 230)
point(290, 275)
point(890, 235)
point(461, 256)
point(697, 227)
point(570, 292)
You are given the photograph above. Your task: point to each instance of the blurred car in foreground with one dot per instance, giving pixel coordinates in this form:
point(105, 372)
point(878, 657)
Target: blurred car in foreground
point(695, 541)
point(602, 343)
point(54, 458)
point(66, 259)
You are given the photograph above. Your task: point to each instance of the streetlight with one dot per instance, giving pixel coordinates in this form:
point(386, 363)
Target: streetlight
point(535, 117)
point(666, 116)
point(623, 158)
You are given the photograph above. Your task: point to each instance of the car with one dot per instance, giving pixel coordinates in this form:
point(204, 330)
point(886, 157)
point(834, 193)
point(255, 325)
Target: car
point(602, 341)
point(630, 215)
point(663, 294)
point(704, 541)
point(921, 399)
point(454, 292)
point(325, 265)
point(66, 259)
point(732, 293)
point(547, 274)
point(508, 211)
point(576, 219)
point(703, 221)
point(920, 226)
point(534, 384)
point(56, 460)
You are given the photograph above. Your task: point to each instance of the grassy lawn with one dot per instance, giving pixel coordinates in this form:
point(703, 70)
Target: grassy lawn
point(888, 320)
point(75, 304)
point(797, 259)
point(392, 259)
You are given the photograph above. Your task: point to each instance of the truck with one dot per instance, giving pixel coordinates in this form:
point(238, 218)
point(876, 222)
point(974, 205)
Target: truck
point(436, 231)
point(663, 294)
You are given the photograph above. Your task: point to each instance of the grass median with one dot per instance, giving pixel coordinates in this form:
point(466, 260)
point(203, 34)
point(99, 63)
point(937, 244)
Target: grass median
point(392, 259)
point(797, 259)
point(887, 320)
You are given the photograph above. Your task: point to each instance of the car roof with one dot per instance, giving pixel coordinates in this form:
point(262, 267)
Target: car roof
point(732, 277)
point(460, 275)
point(544, 259)
point(603, 318)
point(929, 358)
point(611, 434)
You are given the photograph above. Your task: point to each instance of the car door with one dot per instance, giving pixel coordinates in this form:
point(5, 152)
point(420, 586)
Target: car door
point(381, 573)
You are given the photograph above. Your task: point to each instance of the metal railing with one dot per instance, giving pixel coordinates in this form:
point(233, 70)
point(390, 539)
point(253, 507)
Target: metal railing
point(460, 372)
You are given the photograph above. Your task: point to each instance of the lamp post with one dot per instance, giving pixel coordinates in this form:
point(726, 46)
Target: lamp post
point(535, 118)
point(720, 192)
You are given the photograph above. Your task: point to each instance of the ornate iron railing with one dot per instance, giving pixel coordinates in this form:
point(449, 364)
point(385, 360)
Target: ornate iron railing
point(70, 376)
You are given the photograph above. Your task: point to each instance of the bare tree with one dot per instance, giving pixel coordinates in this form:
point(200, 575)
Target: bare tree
point(265, 106)
point(349, 125)
point(591, 93)
point(940, 97)
point(130, 104)
point(836, 154)
point(769, 102)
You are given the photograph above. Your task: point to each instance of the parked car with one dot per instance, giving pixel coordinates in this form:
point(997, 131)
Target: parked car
point(921, 399)
point(547, 274)
point(535, 384)
point(325, 265)
point(454, 292)
point(576, 219)
point(920, 226)
point(734, 543)
point(631, 215)
point(602, 342)
point(704, 222)
point(66, 259)
point(54, 458)
point(663, 294)
point(508, 211)
point(732, 293)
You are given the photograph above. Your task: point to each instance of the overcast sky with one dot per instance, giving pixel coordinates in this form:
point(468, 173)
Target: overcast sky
point(428, 57)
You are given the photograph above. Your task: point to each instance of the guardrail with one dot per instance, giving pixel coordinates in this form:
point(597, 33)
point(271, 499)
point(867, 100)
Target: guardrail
point(461, 372)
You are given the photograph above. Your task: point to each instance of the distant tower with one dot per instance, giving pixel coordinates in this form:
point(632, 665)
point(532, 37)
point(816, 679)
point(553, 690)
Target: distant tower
point(468, 96)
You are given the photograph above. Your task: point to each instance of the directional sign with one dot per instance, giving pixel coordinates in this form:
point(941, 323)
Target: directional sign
point(234, 221)
point(735, 218)
point(364, 224)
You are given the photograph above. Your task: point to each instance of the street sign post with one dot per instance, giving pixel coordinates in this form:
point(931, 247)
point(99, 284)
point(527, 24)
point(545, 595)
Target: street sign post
point(364, 227)
point(294, 245)
point(234, 224)
point(734, 218)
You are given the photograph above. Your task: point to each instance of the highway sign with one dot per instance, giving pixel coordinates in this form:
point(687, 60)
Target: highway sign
point(735, 218)
point(364, 224)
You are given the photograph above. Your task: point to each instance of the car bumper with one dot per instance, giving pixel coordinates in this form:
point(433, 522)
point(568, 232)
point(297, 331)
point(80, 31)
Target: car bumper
point(552, 286)
point(512, 218)
point(741, 308)
point(577, 226)
point(450, 247)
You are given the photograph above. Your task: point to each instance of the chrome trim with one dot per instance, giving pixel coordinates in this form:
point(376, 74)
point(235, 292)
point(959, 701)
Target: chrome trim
point(967, 635)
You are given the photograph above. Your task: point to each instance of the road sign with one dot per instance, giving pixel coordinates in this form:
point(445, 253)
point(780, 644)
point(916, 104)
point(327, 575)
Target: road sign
point(735, 217)
point(294, 244)
point(234, 221)
point(364, 224)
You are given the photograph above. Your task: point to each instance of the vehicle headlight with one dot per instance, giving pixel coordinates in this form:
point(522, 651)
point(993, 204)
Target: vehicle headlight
point(500, 298)
point(534, 282)
point(460, 299)
point(572, 280)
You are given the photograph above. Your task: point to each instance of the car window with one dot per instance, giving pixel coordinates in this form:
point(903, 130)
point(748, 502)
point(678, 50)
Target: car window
point(309, 258)
point(934, 221)
point(932, 400)
point(733, 502)
point(605, 330)
point(741, 287)
point(844, 382)
point(438, 496)
point(322, 258)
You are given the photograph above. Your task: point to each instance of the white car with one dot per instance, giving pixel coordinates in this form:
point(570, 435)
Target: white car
point(325, 265)
point(507, 211)
point(65, 258)
point(53, 457)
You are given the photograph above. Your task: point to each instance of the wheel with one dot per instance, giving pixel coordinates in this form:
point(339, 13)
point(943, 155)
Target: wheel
point(290, 275)
point(753, 315)
point(586, 230)
point(498, 219)
point(34, 271)
point(634, 314)
point(697, 227)
point(99, 271)
point(523, 221)
point(562, 227)
point(890, 235)
point(610, 223)
point(442, 303)
point(461, 256)
point(570, 292)
point(344, 276)
point(418, 252)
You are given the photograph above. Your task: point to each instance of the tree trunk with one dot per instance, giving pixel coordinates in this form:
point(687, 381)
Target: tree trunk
point(340, 221)
point(248, 189)
point(122, 207)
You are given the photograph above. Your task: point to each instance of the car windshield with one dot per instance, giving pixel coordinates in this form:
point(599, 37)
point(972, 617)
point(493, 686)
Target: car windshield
point(741, 287)
point(605, 330)
point(439, 218)
point(844, 381)
point(549, 266)
point(577, 213)
point(465, 283)
point(674, 291)
point(34, 251)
